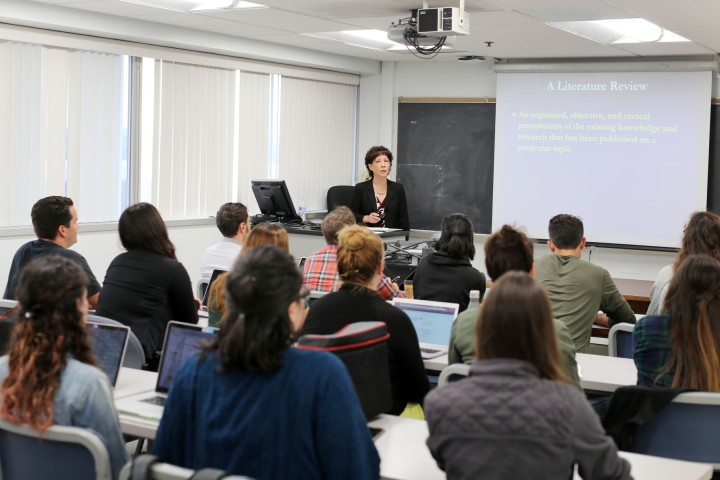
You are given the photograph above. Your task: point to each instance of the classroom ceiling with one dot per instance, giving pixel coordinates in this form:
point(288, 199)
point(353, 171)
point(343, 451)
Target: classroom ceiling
point(516, 28)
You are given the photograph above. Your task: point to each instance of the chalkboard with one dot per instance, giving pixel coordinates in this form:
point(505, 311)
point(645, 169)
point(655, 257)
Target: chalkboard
point(444, 159)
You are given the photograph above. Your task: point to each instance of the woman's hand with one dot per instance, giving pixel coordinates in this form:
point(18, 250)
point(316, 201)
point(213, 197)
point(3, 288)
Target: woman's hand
point(372, 218)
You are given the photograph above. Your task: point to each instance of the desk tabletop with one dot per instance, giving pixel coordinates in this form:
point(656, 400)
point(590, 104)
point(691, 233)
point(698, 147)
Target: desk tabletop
point(598, 373)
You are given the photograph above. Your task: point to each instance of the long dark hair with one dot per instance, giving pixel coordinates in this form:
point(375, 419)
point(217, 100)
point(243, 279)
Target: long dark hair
point(701, 237)
point(693, 302)
point(456, 237)
point(141, 227)
point(516, 322)
point(49, 328)
point(260, 287)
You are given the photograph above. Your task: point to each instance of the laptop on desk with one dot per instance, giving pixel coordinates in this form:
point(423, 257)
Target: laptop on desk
point(182, 341)
point(432, 322)
point(108, 343)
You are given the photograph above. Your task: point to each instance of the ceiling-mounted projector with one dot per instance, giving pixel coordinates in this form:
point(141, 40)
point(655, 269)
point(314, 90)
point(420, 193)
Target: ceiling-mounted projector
point(397, 33)
point(442, 22)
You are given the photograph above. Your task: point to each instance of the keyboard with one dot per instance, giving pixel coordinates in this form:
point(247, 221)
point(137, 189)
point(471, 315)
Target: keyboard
point(155, 400)
point(429, 350)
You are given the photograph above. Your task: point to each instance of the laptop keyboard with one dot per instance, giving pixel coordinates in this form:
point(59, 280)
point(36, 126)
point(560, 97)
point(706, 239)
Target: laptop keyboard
point(155, 401)
point(429, 350)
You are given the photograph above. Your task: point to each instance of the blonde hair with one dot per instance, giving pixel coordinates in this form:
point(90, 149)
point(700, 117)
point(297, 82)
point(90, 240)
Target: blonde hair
point(360, 254)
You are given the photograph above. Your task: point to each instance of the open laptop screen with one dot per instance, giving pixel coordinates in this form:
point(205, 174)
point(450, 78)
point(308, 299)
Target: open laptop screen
point(182, 342)
point(213, 277)
point(432, 320)
point(108, 342)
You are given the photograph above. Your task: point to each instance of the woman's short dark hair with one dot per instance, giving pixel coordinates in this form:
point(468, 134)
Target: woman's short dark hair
point(507, 249)
point(456, 237)
point(693, 302)
point(142, 228)
point(516, 322)
point(49, 329)
point(375, 152)
point(260, 287)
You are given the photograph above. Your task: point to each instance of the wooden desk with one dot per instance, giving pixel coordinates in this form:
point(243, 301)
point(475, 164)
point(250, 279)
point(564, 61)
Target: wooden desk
point(598, 373)
point(404, 455)
point(636, 292)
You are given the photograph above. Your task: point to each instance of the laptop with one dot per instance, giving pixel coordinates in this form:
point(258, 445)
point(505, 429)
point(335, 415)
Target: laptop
point(182, 341)
point(213, 277)
point(108, 343)
point(432, 322)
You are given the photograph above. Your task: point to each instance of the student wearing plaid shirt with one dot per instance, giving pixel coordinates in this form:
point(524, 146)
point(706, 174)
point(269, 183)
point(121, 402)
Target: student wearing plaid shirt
point(320, 271)
point(688, 335)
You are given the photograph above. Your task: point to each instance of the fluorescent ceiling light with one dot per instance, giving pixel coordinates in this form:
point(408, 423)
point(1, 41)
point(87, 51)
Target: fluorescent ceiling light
point(197, 5)
point(372, 39)
point(624, 30)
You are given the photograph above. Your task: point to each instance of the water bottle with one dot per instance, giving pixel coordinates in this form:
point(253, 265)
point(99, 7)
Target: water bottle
point(302, 210)
point(474, 298)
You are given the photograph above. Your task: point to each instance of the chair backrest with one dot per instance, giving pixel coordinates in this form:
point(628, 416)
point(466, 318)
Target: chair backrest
point(147, 468)
point(339, 195)
point(134, 354)
point(621, 342)
point(59, 452)
point(6, 324)
point(686, 429)
point(201, 286)
point(362, 347)
point(453, 373)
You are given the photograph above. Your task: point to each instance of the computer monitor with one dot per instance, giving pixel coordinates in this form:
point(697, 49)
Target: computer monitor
point(274, 200)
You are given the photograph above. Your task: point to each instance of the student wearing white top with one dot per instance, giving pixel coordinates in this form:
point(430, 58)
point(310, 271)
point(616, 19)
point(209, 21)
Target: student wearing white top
point(233, 222)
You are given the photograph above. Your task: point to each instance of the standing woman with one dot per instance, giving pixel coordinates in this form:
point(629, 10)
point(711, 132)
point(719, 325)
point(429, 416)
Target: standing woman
point(146, 286)
point(447, 275)
point(516, 415)
point(49, 376)
point(251, 404)
point(380, 202)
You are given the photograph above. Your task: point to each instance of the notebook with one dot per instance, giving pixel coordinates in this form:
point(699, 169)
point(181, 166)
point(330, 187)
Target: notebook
point(432, 322)
point(182, 341)
point(108, 343)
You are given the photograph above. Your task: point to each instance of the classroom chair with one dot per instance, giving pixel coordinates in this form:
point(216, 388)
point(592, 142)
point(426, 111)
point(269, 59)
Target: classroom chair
point(147, 467)
point(362, 347)
point(339, 195)
point(134, 355)
point(621, 342)
point(453, 373)
point(686, 429)
point(59, 452)
point(201, 286)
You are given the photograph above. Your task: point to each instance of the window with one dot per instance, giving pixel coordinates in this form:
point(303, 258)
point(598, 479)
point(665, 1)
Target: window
point(63, 130)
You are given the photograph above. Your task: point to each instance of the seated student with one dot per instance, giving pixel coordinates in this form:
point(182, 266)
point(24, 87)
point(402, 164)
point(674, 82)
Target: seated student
point(577, 288)
point(233, 221)
point(320, 271)
point(681, 349)
point(447, 275)
point(252, 405)
point(516, 415)
point(360, 261)
point(55, 221)
point(49, 376)
point(262, 234)
point(505, 250)
point(700, 237)
point(146, 286)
